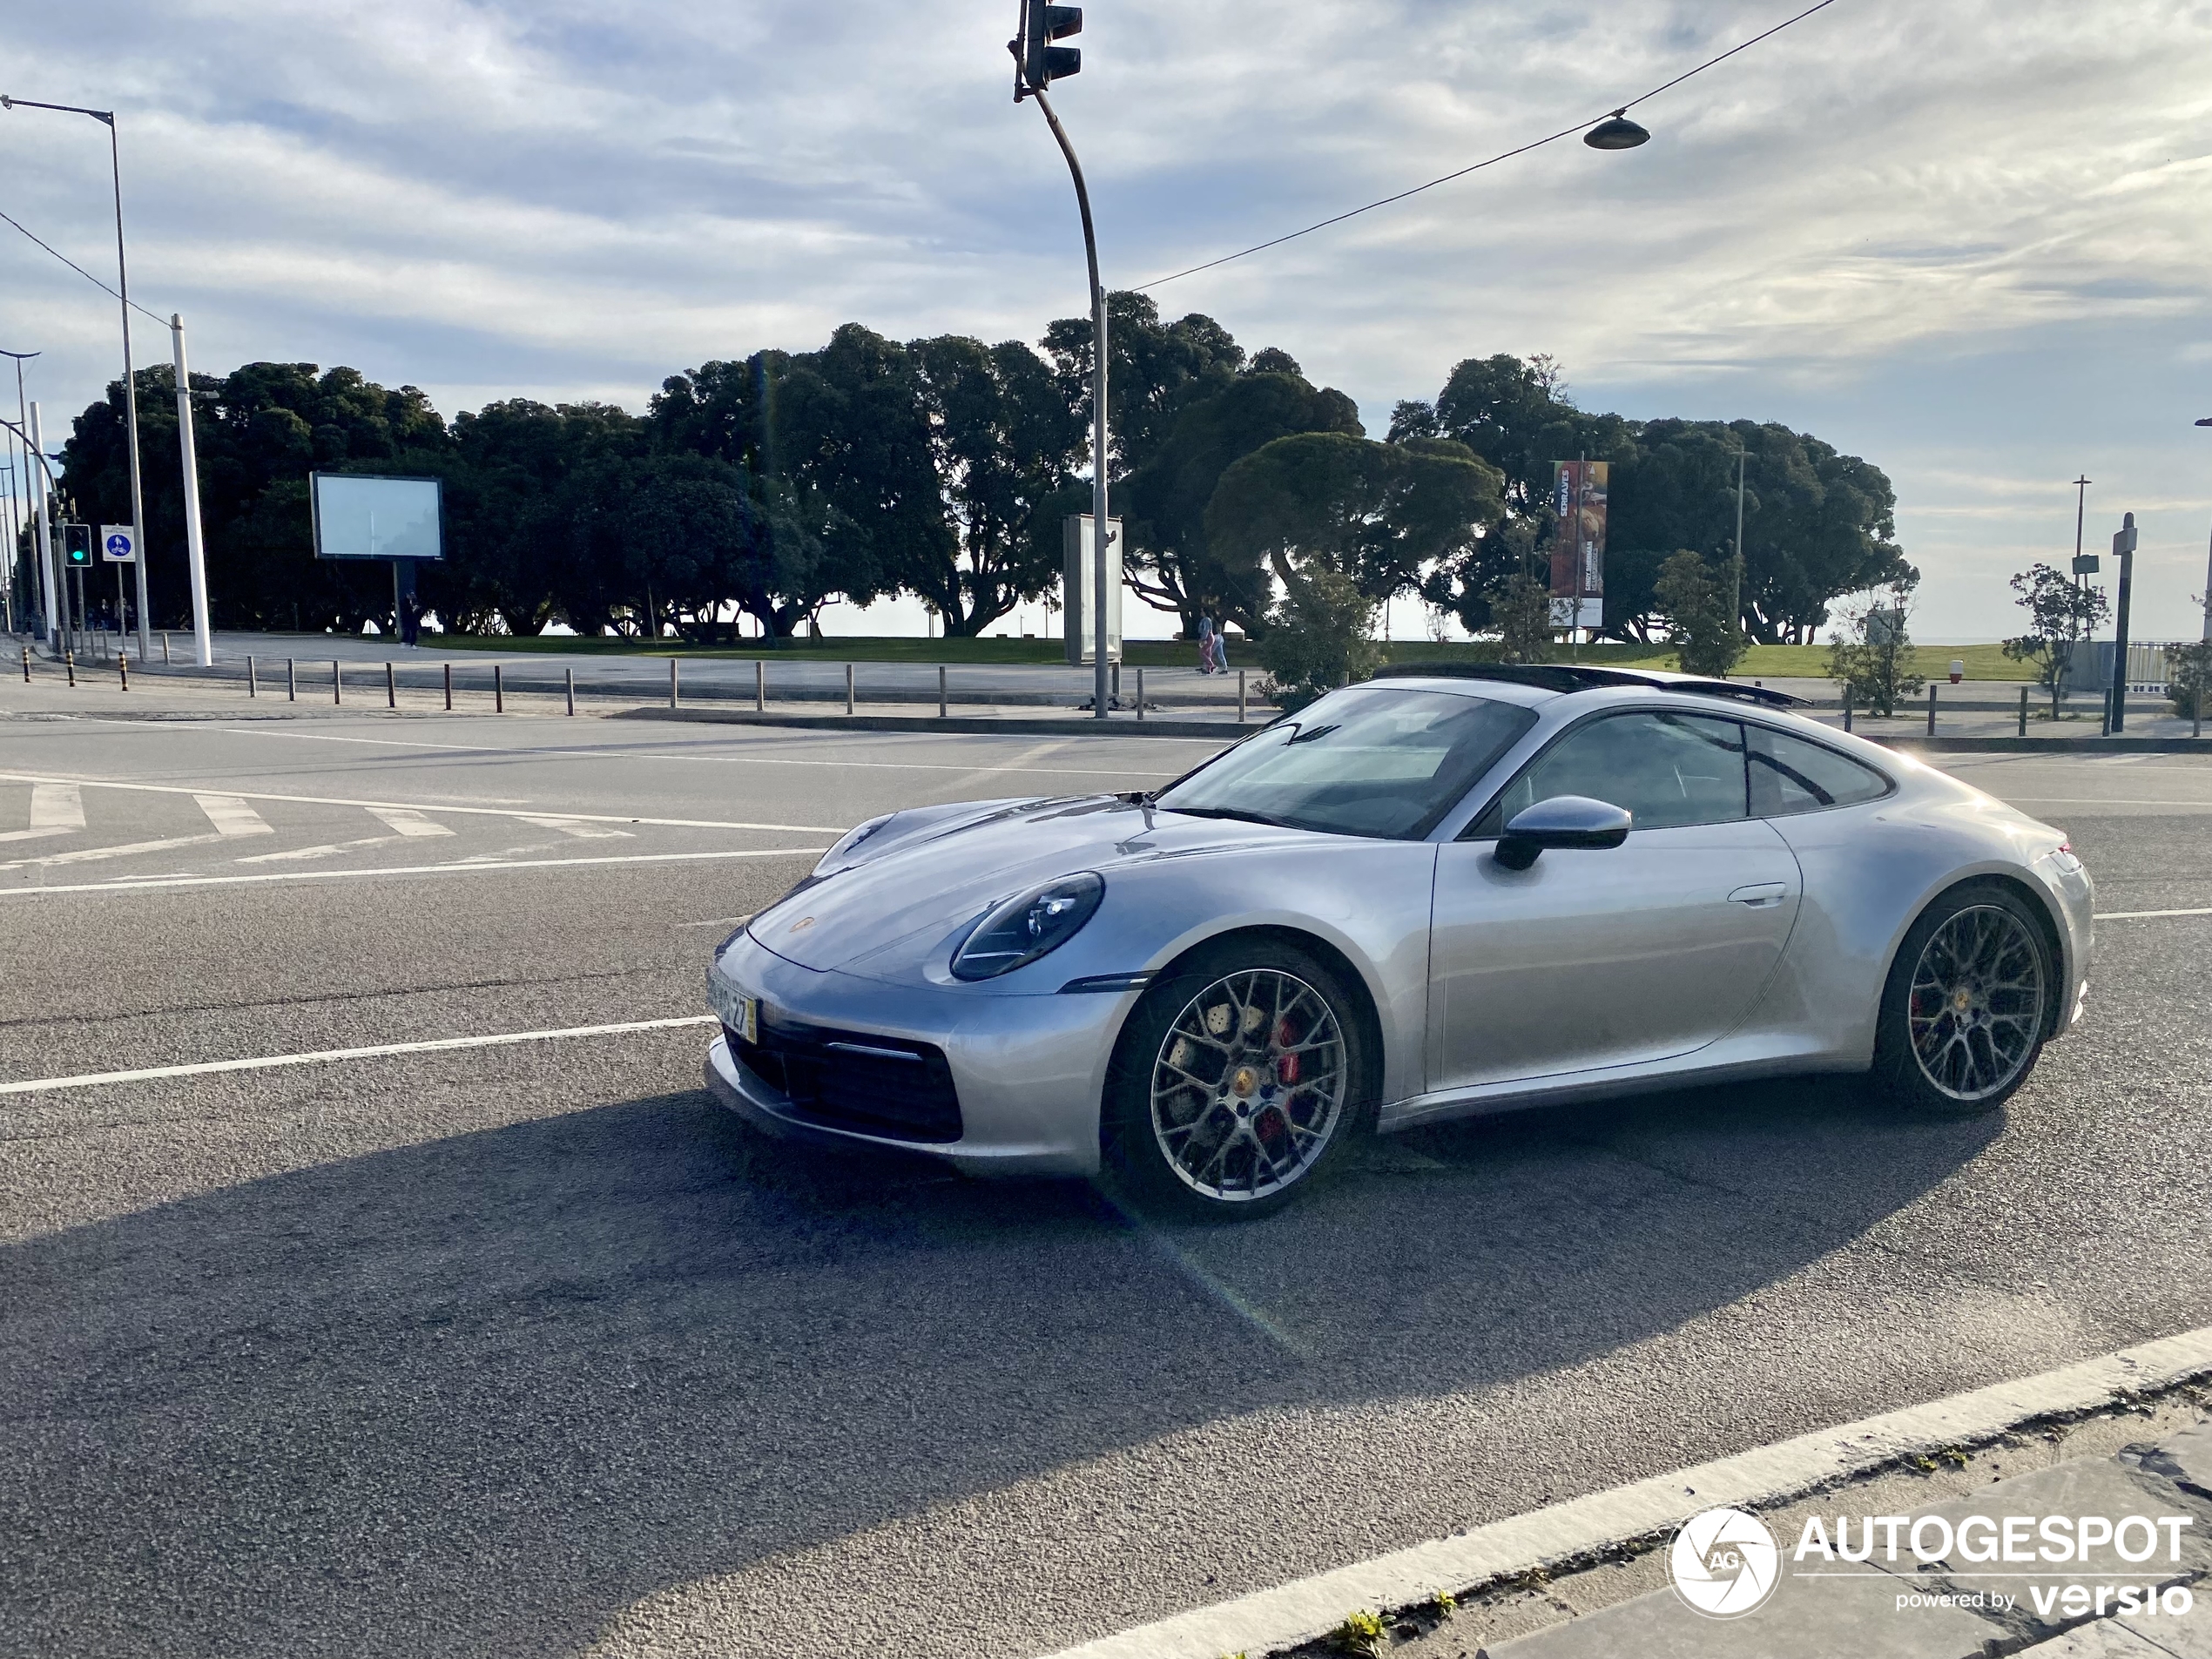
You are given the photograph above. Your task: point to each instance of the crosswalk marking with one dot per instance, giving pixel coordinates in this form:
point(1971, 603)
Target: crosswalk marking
point(56, 809)
point(581, 828)
point(406, 821)
point(233, 816)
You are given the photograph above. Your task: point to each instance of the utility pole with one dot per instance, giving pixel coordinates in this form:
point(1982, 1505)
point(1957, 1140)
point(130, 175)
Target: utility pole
point(1735, 576)
point(1037, 63)
point(49, 578)
point(195, 545)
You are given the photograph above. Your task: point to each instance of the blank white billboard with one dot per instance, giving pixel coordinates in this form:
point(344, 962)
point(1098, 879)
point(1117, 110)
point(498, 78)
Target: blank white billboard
point(359, 518)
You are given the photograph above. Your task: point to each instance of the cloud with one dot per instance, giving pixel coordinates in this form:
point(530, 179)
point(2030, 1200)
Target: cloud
point(1940, 207)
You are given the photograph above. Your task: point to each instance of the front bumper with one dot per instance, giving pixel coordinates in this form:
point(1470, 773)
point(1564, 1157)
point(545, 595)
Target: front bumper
point(1029, 1070)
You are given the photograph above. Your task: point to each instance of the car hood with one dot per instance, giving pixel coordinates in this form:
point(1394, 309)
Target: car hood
point(943, 870)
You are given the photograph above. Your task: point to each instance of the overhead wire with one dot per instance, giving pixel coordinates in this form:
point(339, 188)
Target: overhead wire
point(1491, 161)
point(82, 272)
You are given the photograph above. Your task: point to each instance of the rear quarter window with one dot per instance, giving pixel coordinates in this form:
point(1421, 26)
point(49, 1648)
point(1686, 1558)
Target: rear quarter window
point(1791, 775)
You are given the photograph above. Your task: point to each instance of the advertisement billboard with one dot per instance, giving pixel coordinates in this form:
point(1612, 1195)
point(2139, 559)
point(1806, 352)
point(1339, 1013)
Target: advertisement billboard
point(1578, 550)
point(363, 517)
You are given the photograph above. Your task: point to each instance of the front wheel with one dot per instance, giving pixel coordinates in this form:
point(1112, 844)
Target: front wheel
point(1237, 1081)
point(1967, 1003)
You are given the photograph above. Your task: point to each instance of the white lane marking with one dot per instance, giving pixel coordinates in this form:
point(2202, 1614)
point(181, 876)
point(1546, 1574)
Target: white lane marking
point(582, 829)
point(1229, 735)
point(323, 1056)
point(419, 806)
point(56, 809)
point(2144, 915)
point(406, 821)
point(138, 884)
point(91, 854)
point(233, 816)
point(1269, 1621)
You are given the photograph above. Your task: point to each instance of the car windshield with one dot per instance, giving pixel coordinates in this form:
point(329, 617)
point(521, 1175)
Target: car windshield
point(1362, 761)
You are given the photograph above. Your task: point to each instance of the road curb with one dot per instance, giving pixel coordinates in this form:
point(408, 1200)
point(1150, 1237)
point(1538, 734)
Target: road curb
point(965, 724)
point(1267, 1621)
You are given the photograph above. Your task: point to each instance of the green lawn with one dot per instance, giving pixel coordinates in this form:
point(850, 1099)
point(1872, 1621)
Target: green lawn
point(1778, 662)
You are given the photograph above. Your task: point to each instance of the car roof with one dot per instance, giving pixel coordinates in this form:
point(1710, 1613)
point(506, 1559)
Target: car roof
point(1562, 678)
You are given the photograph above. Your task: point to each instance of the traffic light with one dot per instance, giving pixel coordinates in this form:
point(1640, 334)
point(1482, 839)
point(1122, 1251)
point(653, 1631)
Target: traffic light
point(76, 546)
point(1043, 63)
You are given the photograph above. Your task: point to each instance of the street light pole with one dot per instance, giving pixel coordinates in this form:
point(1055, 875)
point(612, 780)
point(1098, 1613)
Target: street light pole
point(49, 578)
point(1735, 576)
point(106, 118)
point(195, 544)
point(2208, 573)
point(1100, 676)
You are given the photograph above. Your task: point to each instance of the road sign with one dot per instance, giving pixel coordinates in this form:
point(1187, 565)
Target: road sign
point(1585, 613)
point(119, 543)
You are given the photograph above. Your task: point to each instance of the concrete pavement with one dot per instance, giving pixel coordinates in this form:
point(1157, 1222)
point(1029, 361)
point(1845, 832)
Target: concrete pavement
point(530, 1350)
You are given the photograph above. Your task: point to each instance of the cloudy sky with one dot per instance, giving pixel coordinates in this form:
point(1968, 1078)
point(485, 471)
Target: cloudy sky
point(1969, 241)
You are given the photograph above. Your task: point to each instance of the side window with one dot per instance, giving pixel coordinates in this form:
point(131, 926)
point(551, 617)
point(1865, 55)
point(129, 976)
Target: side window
point(1668, 770)
point(1791, 775)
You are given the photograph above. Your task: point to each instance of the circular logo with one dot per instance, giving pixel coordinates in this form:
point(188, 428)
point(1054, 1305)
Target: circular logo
point(1725, 1563)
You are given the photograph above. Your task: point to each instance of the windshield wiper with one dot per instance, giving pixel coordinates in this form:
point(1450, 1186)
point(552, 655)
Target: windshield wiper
point(1237, 812)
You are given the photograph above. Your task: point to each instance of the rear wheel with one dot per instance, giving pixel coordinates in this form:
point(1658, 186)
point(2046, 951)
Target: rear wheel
point(1968, 1002)
point(1237, 1081)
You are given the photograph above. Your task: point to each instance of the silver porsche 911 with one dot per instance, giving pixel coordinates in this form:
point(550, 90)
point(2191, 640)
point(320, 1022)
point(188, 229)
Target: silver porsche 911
point(1425, 896)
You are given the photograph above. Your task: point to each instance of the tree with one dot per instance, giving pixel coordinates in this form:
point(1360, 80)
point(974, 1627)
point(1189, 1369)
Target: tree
point(260, 431)
point(1005, 443)
point(1521, 610)
point(2060, 613)
point(1172, 564)
point(1319, 634)
point(1707, 636)
point(2188, 677)
point(1871, 656)
point(1155, 371)
point(1376, 513)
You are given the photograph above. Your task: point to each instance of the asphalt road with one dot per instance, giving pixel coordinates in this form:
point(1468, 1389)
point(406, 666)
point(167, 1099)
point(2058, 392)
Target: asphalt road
point(530, 1350)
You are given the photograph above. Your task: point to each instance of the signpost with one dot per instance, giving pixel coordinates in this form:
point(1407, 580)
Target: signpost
point(119, 546)
point(2123, 548)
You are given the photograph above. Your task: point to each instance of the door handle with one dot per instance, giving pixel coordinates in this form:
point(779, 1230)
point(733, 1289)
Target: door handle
point(1761, 894)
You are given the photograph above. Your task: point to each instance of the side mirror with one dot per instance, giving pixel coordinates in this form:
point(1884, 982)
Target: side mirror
point(1563, 821)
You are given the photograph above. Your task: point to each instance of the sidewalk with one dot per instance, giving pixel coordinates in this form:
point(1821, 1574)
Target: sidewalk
point(1952, 1609)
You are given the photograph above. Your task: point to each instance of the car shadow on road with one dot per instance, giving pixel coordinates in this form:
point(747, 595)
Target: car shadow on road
point(479, 1395)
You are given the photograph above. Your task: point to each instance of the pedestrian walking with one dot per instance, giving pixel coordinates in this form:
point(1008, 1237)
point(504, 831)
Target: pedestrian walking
point(1206, 644)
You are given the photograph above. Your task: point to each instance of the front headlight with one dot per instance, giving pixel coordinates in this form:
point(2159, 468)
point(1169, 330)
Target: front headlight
point(1019, 931)
point(849, 843)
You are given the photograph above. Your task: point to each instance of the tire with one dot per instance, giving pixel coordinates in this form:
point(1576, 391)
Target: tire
point(1967, 1003)
point(1237, 1082)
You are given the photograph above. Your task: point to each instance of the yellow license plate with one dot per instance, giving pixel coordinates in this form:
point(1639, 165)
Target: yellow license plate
point(747, 1022)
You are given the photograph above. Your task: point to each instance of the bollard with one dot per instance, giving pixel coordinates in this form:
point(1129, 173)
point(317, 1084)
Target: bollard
point(1240, 693)
point(848, 688)
point(1140, 693)
point(1931, 711)
point(568, 683)
point(449, 688)
point(1846, 711)
point(337, 682)
point(122, 667)
point(252, 689)
point(291, 682)
point(940, 689)
point(2023, 711)
point(69, 662)
point(391, 688)
point(26, 665)
point(165, 640)
point(671, 682)
point(760, 687)
point(498, 689)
